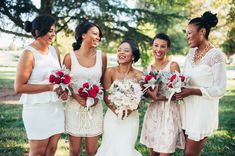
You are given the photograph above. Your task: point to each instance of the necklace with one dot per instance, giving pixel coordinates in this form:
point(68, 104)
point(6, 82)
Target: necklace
point(199, 54)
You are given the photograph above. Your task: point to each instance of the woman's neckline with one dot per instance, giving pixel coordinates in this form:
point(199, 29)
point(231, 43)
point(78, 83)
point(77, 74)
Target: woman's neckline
point(46, 54)
point(163, 67)
point(93, 66)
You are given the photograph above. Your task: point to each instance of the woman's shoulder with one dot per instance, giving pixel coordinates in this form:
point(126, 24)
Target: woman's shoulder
point(27, 53)
point(138, 74)
point(217, 51)
point(217, 55)
point(111, 70)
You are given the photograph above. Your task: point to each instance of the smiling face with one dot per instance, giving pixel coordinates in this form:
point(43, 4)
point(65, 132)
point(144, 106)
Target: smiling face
point(194, 36)
point(92, 37)
point(159, 48)
point(49, 37)
point(124, 53)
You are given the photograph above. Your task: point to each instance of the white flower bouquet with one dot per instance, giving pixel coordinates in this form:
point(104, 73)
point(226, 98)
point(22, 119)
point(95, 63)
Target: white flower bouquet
point(125, 95)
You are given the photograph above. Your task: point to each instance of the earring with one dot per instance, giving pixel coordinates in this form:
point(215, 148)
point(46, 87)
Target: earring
point(133, 59)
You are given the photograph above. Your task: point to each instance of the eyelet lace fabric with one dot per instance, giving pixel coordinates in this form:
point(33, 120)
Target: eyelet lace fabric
point(200, 113)
point(212, 57)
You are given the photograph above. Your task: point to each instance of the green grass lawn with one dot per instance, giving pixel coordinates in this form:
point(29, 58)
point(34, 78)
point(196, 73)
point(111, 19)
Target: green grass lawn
point(13, 138)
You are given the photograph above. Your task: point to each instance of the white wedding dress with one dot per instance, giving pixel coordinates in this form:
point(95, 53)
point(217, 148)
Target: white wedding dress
point(119, 136)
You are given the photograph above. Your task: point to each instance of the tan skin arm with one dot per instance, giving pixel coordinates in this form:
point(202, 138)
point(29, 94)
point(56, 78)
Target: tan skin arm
point(187, 92)
point(153, 94)
point(104, 65)
point(107, 82)
point(24, 70)
point(64, 95)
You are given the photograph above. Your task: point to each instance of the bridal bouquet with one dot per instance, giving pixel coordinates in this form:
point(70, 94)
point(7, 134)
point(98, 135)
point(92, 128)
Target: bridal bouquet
point(61, 78)
point(125, 95)
point(174, 81)
point(150, 79)
point(90, 91)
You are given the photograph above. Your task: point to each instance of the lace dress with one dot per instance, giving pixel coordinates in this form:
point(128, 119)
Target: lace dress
point(78, 121)
point(161, 128)
point(43, 114)
point(200, 113)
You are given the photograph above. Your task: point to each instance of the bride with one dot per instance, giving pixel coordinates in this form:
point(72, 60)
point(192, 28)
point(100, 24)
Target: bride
point(120, 135)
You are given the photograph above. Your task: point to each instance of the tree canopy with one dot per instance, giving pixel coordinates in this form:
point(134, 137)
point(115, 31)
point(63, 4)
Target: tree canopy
point(139, 20)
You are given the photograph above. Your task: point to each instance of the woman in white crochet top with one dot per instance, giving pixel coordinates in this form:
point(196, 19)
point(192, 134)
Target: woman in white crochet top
point(205, 65)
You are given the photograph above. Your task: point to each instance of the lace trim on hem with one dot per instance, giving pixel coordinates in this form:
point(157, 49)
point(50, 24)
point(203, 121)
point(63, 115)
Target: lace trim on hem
point(83, 135)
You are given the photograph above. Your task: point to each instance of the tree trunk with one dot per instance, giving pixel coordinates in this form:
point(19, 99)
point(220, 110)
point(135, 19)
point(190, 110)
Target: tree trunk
point(46, 6)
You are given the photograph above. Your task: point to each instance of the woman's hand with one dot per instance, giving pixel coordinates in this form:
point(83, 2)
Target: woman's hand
point(78, 98)
point(56, 89)
point(152, 93)
point(154, 96)
point(184, 93)
point(64, 95)
point(96, 101)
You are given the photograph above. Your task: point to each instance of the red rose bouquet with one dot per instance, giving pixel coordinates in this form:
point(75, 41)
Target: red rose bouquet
point(174, 81)
point(90, 91)
point(61, 78)
point(150, 79)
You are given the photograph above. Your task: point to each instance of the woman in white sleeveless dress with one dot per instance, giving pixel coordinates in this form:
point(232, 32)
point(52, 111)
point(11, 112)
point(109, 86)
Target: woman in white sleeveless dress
point(86, 63)
point(120, 136)
point(43, 114)
point(205, 65)
point(161, 130)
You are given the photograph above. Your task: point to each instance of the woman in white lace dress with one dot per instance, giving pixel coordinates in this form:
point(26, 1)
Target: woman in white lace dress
point(120, 136)
point(161, 130)
point(205, 65)
point(43, 113)
point(86, 64)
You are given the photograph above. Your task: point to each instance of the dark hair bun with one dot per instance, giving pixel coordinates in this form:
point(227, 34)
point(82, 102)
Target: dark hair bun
point(209, 19)
point(28, 26)
point(76, 45)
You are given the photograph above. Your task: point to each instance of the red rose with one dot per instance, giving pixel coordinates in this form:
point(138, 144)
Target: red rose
point(96, 88)
point(80, 90)
point(60, 73)
point(67, 79)
point(84, 94)
point(147, 77)
point(51, 78)
point(173, 77)
point(57, 80)
point(92, 93)
point(182, 78)
point(86, 85)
